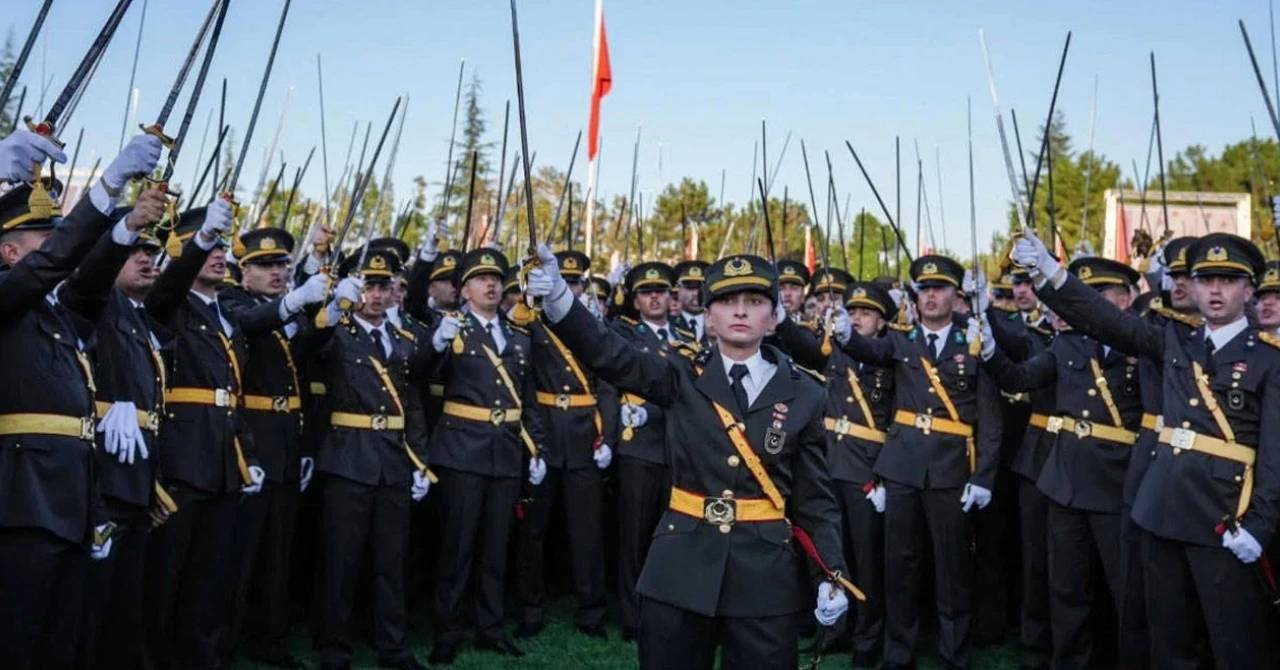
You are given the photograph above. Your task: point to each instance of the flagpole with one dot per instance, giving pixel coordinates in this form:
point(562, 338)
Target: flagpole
point(591, 208)
point(593, 127)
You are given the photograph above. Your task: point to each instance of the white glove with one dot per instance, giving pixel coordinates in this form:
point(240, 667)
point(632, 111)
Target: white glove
point(350, 289)
point(306, 471)
point(420, 486)
point(545, 280)
point(121, 435)
point(841, 326)
point(877, 497)
point(832, 604)
point(1242, 544)
point(256, 475)
point(537, 471)
point(779, 313)
point(616, 274)
point(448, 329)
point(21, 150)
point(634, 416)
point(975, 495)
point(138, 158)
point(1084, 249)
point(988, 343)
point(1032, 254)
point(100, 551)
point(898, 296)
point(978, 291)
point(588, 300)
point(430, 244)
point(311, 292)
point(1156, 270)
point(217, 218)
point(603, 456)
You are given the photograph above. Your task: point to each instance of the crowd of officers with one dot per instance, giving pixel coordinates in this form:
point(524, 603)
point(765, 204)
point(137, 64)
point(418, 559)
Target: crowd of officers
point(199, 427)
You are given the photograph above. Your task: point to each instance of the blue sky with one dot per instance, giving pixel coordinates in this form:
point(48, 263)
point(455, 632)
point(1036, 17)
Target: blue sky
point(698, 76)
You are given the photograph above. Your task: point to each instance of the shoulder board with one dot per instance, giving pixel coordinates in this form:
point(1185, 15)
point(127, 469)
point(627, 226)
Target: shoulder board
point(1191, 320)
point(901, 327)
point(1041, 330)
point(1269, 338)
point(812, 373)
point(345, 320)
point(811, 325)
point(407, 334)
point(691, 346)
point(519, 329)
point(628, 320)
point(690, 335)
point(701, 358)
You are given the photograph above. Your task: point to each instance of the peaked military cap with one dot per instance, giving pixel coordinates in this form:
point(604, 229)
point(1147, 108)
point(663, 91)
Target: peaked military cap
point(1224, 254)
point(393, 244)
point(573, 264)
point(829, 279)
point(264, 245)
point(650, 276)
point(1270, 279)
point(602, 287)
point(1003, 285)
point(692, 272)
point(1018, 273)
point(936, 270)
point(1175, 254)
point(793, 272)
point(735, 274)
point(31, 207)
point(232, 276)
point(446, 265)
point(872, 296)
point(379, 265)
point(1101, 272)
point(511, 280)
point(482, 261)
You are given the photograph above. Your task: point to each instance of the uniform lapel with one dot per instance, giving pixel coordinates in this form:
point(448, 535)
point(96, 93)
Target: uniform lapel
point(781, 388)
point(714, 383)
point(954, 344)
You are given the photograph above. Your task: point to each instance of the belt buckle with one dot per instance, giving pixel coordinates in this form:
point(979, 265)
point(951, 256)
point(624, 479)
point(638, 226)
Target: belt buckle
point(1054, 425)
point(1183, 439)
point(378, 422)
point(88, 428)
point(279, 403)
point(153, 422)
point(719, 511)
point(1083, 429)
point(562, 401)
point(924, 422)
point(1159, 422)
point(497, 416)
point(842, 426)
point(222, 397)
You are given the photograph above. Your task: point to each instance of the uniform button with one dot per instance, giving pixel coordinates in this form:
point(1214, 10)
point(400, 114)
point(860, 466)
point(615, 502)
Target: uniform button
point(382, 408)
point(568, 369)
point(358, 360)
point(725, 528)
point(1239, 478)
point(727, 494)
point(1186, 424)
point(1084, 413)
point(932, 390)
point(1194, 402)
point(1176, 451)
point(1153, 453)
point(671, 526)
point(734, 461)
point(1093, 392)
point(57, 336)
point(384, 389)
point(566, 388)
point(497, 403)
point(849, 399)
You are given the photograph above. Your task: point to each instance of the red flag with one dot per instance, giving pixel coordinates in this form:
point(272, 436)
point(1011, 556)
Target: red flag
point(1122, 235)
point(691, 247)
point(601, 81)
point(810, 258)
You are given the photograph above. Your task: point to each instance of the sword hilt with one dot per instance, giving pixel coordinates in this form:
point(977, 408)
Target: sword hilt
point(157, 130)
point(44, 129)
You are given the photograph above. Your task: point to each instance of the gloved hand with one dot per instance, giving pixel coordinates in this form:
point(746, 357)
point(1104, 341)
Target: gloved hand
point(977, 291)
point(121, 435)
point(311, 292)
point(420, 486)
point(537, 471)
point(100, 551)
point(305, 471)
point(430, 244)
point(988, 343)
point(634, 416)
point(148, 210)
point(615, 275)
point(898, 296)
point(545, 280)
point(256, 475)
point(832, 604)
point(21, 150)
point(975, 495)
point(1156, 269)
point(349, 289)
point(877, 497)
point(841, 326)
point(1084, 249)
point(448, 329)
point(1032, 254)
point(603, 457)
point(217, 218)
point(589, 300)
point(138, 158)
point(1242, 544)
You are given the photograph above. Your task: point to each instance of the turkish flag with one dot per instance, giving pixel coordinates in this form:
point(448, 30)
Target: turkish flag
point(601, 81)
point(810, 258)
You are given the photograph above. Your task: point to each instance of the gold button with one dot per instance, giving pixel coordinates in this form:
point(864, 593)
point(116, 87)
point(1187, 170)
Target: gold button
point(1235, 385)
point(1235, 375)
point(1239, 478)
point(1194, 402)
point(1186, 424)
point(727, 494)
point(568, 369)
point(382, 408)
point(566, 388)
point(849, 399)
point(1093, 392)
point(932, 390)
point(384, 389)
point(725, 528)
point(1085, 413)
point(734, 461)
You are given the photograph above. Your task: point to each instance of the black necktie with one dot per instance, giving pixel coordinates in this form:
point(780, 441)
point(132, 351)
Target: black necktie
point(1209, 348)
point(737, 372)
point(217, 316)
point(488, 328)
point(377, 345)
point(933, 346)
point(662, 335)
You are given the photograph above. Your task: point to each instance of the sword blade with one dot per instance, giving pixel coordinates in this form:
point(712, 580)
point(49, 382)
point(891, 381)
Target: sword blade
point(80, 77)
point(16, 71)
point(181, 79)
point(257, 105)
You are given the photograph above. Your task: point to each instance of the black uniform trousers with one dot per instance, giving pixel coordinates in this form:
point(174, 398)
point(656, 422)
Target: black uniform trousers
point(582, 493)
point(644, 492)
point(41, 577)
point(672, 638)
point(259, 613)
point(1135, 643)
point(1193, 590)
point(477, 512)
point(356, 516)
point(1075, 538)
point(110, 630)
point(909, 513)
point(995, 535)
point(1036, 634)
point(188, 562)
point(864, 544)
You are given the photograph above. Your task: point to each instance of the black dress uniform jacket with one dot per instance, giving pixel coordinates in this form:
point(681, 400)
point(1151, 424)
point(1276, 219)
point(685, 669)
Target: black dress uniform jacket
point(571, 431)
point(648, 442)
point(752, 570)
point(49, 481)
point(1184, 496)
point(1018, 342)
point(936, 460)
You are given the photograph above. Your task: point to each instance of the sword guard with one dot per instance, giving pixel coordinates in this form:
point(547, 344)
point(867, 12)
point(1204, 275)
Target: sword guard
point(43, 129)
point(157, 130)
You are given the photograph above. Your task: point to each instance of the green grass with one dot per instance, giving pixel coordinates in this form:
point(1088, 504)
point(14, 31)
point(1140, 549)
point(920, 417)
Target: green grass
point(561, 647)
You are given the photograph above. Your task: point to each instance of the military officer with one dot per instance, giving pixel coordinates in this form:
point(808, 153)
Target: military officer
point(828, 285)
point(600, 290)
point(1207, 503)
point(747, 445)
point(432, 290)
point(1266, 300)
point(689, 283)
point(793, 280)
point(480, 447)
point(939, 460)
point(373, 458)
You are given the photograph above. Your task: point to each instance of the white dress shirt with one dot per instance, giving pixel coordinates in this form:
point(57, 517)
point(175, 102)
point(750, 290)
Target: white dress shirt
point(384, 338)
point(1223, 335)
point(695, 323)
point(942, 334)
point(759, 372)
point(226, 325)
point(499, 338)
point(665, 327)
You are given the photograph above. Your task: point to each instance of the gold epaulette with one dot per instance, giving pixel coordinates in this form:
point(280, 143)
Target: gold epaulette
point(686, 333)
point(817, 376)
point(1269, 338)
point(519, 329)
point(1192, 320)
point(523, 317)
point(628, 320)
point(1042, 331)
point(1004, 307)
point(901, 327)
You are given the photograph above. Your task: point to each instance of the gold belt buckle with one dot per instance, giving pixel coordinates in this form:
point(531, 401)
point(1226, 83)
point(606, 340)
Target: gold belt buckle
point(153, 422)
point(222, 397)
point(498, 416)
point(924, 422)
point(719, 511)
point(378, 422)
point(842, 426)
point(88, 428)
point(279, 403)
point(1054, 425)
point(562, 401)
point(1183, 439)
point(1083, 429)
point(1159, 422)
